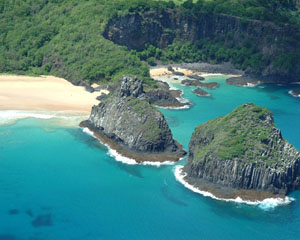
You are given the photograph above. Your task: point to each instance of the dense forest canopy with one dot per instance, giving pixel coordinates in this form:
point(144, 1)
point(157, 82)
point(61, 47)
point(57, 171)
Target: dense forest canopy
point(64, 37)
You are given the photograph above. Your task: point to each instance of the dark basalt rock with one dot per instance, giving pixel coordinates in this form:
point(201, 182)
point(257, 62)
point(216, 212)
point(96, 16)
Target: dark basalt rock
point(170, 69)
point(210, 85)
point(243, 154)
point(101, 97)
point(243, 81)
point(198, 78)
point(188, 82)
point(164, 97)
point(178, 73)
point(201, 93)
point(127, 122)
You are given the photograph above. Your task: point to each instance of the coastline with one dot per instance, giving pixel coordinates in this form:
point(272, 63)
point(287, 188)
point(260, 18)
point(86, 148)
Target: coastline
point(201, 69)
point(130, 156)
point(44, 93)
point(267, 201)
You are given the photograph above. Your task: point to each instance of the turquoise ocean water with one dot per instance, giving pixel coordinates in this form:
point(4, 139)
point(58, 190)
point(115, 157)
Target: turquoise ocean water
point(57, 182)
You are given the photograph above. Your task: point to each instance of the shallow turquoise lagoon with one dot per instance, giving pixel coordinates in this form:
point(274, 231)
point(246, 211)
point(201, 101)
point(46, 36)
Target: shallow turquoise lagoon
point(57, 182)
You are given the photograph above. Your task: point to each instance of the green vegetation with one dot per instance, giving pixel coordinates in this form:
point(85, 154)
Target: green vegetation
point(216, 51)
point(64, 37)
point(140, 108)
point(243, 135)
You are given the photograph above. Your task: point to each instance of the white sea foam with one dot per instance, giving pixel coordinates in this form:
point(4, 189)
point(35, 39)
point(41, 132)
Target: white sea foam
point(251, 85)
point(176, 108)
point(294, 95)
point(266, 204)
point(120, 158)
point(89, 132)
point(10, 116)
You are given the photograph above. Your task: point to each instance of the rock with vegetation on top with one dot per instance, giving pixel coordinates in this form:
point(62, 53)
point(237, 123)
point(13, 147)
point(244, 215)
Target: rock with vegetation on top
point(127, 122)
point(243, 154)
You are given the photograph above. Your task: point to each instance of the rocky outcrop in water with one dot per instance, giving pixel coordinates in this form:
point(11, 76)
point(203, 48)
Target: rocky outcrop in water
point(164, 97)
point(201, 93)
point(243, 154)
point(128, 123)
point(210, 85)
point(295, 92)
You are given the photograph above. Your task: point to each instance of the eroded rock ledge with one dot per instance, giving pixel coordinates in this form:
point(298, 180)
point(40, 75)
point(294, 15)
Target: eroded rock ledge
point(128, 123)
point(243, 154)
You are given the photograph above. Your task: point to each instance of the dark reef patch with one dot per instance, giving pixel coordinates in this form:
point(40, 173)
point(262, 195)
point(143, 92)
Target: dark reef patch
point(13, 211)
point(42, 221)
point(8, 237)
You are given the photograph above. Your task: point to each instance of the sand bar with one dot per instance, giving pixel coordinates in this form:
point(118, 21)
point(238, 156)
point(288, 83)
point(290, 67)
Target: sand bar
point(44, 93)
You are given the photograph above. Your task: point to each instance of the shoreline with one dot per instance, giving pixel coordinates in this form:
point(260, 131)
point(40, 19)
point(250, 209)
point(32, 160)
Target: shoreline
point(44, 93)
point(130, 156)
point(201, 69)
point(65, 118)
point(266, 202)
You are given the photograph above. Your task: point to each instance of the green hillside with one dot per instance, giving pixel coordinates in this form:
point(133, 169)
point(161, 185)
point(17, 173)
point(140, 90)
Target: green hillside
point(64, 37)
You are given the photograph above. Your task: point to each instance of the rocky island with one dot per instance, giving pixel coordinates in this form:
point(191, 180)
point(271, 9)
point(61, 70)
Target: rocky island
point(127, 122)
point(242, 155)
point(201, 93)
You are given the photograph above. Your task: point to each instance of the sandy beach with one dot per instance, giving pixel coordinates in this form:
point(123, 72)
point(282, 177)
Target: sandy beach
point(201, 69)
point(44, 93)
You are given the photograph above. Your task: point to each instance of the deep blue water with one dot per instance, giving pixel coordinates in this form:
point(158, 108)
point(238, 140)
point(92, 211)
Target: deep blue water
point(56, 182)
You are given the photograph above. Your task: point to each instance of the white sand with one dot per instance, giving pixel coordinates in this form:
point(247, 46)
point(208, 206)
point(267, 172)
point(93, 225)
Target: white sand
point(163, 71)
point(155, 72)
point(44, 93)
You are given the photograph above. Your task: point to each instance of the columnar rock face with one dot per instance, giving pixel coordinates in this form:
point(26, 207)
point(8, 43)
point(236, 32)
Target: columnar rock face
point(243, 151)
point(128, 119)
point(161, 28)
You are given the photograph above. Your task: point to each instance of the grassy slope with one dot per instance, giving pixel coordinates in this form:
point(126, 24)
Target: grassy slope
point(243, 135)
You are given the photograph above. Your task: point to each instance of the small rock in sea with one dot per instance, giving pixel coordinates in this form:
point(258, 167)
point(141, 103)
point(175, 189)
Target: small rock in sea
point(201, 93)
point(295, 92)
point(197, 77)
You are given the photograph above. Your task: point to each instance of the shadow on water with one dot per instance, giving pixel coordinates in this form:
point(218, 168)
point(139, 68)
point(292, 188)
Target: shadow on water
point(132, 170)
point(85, 138)
point(165, 190)
point(173, 121)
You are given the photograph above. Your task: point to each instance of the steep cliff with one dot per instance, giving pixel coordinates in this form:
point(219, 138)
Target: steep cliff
point(242, 151)
point(161, 28)
point(127, 122)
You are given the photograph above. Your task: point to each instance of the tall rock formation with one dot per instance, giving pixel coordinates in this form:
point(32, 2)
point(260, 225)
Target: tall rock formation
point(128, 123)
point(243, 154)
